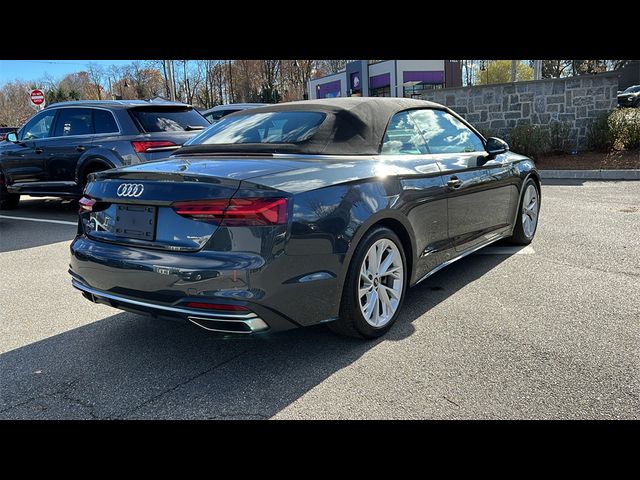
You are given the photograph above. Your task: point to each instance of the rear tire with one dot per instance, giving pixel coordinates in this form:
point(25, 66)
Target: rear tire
point(528, 213)
point(94, 168)
point(8, 201)
point(374, 288)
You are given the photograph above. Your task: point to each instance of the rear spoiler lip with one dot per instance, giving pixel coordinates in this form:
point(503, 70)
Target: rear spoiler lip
point(122, 175)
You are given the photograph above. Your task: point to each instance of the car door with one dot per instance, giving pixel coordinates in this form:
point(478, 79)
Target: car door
point(72, 137)
point(478, 188)
point(423, 191)
point(23, 162)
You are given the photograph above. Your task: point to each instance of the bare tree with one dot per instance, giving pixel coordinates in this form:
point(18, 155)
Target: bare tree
point(555, 68)
point(231, 98)
point(15, 106)
point(332, 66)
point(96, 77)
point(269, 79)
point(295, 75)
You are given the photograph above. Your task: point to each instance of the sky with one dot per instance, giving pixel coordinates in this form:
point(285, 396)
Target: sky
point(28, 70)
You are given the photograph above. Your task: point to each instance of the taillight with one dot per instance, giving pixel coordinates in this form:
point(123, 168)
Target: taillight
point(86, 204)
point(216, 306)
point(236, 212)
point(153, 146)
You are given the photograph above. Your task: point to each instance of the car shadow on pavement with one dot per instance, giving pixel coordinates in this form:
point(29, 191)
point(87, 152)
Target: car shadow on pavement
point(127, 366)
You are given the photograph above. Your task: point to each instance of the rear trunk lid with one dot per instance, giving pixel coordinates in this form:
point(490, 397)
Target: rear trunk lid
point(135, 205)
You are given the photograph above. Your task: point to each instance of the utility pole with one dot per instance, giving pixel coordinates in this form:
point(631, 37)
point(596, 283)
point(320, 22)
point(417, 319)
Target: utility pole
point(170, 79)
point(514, 64)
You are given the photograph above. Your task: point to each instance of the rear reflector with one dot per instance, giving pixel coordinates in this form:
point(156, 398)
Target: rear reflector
point(217, 306)
point(86, 204)
point(237, 211)
point(141, 147)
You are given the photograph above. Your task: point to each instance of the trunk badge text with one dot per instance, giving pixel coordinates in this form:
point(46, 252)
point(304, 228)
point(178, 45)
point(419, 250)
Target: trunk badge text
point(130, 190)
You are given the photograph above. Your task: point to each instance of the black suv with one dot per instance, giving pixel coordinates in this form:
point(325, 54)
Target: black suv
point(55, 151)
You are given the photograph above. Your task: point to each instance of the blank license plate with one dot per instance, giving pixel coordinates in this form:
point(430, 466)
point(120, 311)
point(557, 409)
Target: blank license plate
point(135, 221)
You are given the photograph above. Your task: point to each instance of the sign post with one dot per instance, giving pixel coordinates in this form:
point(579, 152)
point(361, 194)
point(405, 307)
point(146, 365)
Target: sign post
point(37, 98)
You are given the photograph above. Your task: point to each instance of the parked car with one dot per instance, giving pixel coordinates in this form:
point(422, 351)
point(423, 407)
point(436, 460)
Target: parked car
point(5, 130)
point(58, 148)
point(301, 213)
point(214, 114)
point(630, 97)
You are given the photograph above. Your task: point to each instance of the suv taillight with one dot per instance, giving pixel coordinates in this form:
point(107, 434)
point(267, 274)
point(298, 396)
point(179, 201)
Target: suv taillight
point(237, 211)
point(155, 145)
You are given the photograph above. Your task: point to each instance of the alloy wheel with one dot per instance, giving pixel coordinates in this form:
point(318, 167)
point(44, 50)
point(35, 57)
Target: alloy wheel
point(381, 282)
point(530, 206)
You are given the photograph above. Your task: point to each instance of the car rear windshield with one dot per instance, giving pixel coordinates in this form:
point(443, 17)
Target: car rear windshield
point(168, 119)
point(266, 127)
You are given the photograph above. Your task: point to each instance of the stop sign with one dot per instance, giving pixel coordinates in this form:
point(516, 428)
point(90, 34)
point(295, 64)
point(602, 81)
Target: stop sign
point(37, 96)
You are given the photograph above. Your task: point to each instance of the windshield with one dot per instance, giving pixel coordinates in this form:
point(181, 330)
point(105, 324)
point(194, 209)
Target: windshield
point(267, 127)
point(168, 119)
point(632, 89)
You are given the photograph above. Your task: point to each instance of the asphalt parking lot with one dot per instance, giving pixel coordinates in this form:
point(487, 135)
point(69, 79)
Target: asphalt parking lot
point(549, 331)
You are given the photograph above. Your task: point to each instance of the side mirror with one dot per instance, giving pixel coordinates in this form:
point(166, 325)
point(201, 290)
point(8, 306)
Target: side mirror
point(496, 146)
point(12, 137)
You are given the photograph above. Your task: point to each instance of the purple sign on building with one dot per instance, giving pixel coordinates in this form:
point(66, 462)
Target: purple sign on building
point(328, 90)
point(424, 77)
point(379, 81)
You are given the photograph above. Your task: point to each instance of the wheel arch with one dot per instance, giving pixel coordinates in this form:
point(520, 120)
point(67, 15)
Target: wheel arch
point(108, 158)
point(394, 222)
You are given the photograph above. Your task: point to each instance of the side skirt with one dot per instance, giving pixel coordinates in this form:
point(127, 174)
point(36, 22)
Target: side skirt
point(462, 255)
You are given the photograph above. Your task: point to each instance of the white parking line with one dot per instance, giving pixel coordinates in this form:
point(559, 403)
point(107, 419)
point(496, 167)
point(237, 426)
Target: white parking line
point(43, 220)
point(528, 250)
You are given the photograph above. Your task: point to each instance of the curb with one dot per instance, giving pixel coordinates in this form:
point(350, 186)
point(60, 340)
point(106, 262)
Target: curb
point(591, 174)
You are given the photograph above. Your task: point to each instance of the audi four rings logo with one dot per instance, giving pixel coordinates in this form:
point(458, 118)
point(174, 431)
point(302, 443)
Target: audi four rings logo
point(130, 190)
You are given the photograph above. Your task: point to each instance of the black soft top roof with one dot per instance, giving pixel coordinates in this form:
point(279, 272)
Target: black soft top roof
point(353, 126)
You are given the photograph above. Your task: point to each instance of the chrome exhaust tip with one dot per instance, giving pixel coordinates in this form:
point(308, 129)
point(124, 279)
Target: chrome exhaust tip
point(249, 325)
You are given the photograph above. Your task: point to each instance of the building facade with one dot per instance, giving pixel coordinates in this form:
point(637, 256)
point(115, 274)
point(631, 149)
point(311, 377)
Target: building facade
point(387, 78)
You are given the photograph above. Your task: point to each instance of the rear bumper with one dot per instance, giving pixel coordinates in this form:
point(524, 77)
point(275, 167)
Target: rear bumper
point(273, 290)
point(216, 322)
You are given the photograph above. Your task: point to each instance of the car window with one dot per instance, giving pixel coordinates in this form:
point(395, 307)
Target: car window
point(632, 90)
point(104, 122)
point(38, 127)
point(73, 121)
point(267, 127)
point(403, 136)
point(213, 117)
point(444, 133)
point(168, 119)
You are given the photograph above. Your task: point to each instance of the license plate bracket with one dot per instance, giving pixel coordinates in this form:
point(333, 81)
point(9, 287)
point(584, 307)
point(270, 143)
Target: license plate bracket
point(136, 221)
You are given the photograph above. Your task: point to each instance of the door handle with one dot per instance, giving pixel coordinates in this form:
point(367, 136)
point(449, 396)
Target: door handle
point(80, 148)
point(454, 182)
point(38, 150)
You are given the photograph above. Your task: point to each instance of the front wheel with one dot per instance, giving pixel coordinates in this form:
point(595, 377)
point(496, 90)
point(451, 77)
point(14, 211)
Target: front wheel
point(375, 286)
point(527, 218)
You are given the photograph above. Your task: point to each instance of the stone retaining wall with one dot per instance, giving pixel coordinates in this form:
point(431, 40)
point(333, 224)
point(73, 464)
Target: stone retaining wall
point(495, 109)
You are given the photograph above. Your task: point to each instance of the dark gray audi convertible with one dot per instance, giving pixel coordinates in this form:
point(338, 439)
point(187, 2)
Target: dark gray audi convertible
point(301, 213)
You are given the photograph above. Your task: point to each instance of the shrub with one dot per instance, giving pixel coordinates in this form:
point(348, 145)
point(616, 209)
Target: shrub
point(560, 137)
point(529, 140)
point(600, 135)
point(626, 123)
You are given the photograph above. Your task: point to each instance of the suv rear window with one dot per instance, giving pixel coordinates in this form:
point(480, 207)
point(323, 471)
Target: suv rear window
point(168, 119)
point(267, 127)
